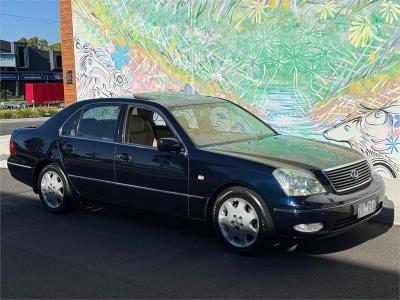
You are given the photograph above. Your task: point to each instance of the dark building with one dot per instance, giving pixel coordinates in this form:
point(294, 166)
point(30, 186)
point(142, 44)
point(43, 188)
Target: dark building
point(20, 64)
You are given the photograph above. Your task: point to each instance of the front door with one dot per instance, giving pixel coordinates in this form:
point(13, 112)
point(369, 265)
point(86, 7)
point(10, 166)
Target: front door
point(87, 146)
point(146, 177)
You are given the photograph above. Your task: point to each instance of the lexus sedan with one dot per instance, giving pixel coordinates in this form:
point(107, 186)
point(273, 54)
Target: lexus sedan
point(197, 157)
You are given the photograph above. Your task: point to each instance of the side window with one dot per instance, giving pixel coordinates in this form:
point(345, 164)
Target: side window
point(70, 127)
point(99, 122)
point(145, 127)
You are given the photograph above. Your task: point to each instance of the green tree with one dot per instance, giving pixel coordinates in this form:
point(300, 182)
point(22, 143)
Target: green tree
point(23, 40)
point(42, 44)
point(33, 42)
point(55, 47)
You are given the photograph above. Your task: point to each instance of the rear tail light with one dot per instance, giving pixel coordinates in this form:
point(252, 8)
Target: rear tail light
point(12, 148)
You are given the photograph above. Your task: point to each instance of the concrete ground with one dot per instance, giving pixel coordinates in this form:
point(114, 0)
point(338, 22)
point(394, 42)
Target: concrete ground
point(103, 252)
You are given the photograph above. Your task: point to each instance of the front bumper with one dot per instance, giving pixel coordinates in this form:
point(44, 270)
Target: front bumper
point(339, 213)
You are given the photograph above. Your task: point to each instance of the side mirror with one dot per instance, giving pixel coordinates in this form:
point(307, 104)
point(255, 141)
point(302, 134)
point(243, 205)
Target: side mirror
point(169, 144)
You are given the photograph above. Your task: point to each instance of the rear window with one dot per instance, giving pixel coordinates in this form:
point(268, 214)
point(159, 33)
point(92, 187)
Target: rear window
point(99, 122)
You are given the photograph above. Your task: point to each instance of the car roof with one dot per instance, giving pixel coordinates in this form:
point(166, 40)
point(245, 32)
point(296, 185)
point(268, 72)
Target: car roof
point(173, 99)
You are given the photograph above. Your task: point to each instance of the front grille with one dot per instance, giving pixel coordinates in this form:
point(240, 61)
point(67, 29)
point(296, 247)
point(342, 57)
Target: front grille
point(349, 177)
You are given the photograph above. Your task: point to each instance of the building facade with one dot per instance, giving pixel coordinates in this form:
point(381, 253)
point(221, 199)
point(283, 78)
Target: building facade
point(20, 64)
point(327, 70)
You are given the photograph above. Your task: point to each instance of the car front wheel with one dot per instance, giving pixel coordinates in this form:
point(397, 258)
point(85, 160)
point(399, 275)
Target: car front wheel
point(242, 220)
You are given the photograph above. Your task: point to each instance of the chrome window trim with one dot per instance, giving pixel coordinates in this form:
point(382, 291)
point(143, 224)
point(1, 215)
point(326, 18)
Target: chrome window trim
point(137, 186)
point(82, 109)
point(19, 165)
point(344, 165)
point(185, 152)
point(109, 142)
point(296, 211)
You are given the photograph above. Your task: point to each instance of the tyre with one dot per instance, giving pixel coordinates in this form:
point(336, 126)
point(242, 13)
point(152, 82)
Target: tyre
point(54, 190)
point(242, 220)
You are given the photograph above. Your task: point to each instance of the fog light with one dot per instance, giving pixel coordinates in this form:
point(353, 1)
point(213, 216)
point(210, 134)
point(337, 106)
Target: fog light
point(312, 227)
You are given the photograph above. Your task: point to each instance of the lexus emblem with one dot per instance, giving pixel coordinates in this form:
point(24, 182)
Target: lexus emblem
point(354, 174)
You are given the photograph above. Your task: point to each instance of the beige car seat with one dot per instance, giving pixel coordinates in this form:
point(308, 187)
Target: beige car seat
point(140, 131)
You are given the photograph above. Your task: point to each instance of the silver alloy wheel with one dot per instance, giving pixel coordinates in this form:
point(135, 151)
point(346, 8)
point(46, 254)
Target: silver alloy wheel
point(52, 189)
point(238, 222)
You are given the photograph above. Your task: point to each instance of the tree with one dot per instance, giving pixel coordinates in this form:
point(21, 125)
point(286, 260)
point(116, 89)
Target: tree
point(42, 44)
point(33, 42)
point(55, 47)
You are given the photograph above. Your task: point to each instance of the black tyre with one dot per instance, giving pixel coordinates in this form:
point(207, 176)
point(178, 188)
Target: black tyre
point(54, 190)
point(242, 220)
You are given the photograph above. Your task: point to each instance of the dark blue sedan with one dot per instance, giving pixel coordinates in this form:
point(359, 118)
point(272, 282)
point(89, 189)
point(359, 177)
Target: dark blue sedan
point(198, 157)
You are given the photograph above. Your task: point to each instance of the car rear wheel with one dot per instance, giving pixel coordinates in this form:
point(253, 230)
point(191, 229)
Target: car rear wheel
point(54, 190)
point(242, 220)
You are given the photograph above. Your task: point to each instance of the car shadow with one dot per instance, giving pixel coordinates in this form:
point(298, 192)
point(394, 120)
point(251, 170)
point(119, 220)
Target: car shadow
point(387, 214)
point(347, 240)
point(181, 228)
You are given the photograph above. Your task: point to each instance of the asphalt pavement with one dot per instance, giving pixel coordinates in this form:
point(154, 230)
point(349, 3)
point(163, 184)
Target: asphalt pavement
point(106, 252)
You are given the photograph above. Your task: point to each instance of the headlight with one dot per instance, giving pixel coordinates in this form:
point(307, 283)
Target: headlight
point(297, 182)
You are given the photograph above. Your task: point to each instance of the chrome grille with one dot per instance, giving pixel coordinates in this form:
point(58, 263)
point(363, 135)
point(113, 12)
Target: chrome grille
point(350, 176)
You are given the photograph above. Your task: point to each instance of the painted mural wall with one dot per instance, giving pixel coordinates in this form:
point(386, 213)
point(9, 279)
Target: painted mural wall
point(328, 70)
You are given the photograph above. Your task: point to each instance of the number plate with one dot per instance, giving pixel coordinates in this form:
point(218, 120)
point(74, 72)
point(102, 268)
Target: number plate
point(366, 208)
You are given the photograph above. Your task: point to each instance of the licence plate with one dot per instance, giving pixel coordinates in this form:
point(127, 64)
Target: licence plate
point(366, 208)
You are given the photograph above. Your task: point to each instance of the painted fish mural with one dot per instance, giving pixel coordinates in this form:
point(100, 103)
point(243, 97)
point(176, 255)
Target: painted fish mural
point(376, 134)
point(328, 70)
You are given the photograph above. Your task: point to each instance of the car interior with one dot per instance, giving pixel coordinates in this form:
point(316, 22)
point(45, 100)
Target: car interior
point(145, 127)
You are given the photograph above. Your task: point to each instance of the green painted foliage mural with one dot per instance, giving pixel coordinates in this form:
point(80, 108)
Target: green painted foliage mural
point(328, 70)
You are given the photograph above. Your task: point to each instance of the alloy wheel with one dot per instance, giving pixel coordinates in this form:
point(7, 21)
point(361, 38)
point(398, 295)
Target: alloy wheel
point(238, 222)
point(52, 189)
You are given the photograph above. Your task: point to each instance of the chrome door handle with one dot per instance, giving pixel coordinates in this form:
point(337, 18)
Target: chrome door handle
point(124, 157)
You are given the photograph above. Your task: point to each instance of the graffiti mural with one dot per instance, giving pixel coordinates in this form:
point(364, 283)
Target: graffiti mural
point(376, 134)
point(97, 77)
point(328, 70)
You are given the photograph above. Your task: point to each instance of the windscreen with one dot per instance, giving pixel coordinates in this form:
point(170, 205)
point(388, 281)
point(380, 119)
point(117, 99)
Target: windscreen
point(220, 123)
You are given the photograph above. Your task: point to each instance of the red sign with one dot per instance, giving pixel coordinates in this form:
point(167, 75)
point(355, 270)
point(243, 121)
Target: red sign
point(44, 93)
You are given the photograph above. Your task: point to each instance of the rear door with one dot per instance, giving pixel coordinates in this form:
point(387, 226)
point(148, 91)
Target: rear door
point(87, 144)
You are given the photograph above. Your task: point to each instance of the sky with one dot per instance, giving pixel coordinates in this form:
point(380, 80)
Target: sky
point(27, 18)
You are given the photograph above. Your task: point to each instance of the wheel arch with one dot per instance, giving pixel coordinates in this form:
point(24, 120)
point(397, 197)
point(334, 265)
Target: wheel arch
point(39, 167)
point(218, 191)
